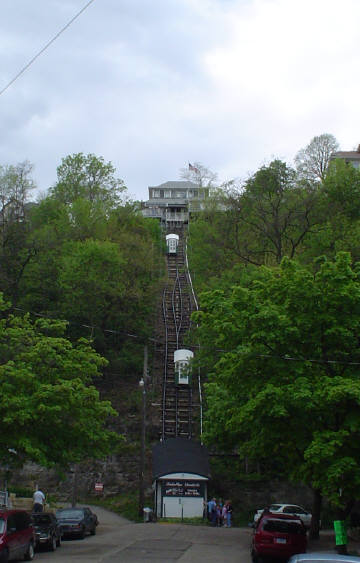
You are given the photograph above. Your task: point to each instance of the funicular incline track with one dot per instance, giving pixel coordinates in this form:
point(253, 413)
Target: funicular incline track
point(177, 400)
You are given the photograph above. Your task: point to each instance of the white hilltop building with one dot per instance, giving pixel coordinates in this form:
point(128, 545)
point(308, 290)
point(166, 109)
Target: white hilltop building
point(173, 202)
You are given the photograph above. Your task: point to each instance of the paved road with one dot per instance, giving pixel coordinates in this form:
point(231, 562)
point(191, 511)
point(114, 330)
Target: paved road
point(117, 540)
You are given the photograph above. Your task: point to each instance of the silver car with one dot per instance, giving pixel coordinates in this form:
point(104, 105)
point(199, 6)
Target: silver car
point(294, 509)
point(323, 557)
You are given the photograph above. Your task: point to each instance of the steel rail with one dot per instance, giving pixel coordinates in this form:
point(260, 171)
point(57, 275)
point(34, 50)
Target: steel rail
point(177, 402)
point(188, 273)
point(165, 364)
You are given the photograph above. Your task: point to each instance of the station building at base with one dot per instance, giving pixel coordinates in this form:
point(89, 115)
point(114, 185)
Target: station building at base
point(181, 473)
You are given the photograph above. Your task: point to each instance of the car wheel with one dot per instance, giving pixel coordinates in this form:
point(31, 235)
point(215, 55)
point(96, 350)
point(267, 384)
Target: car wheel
point(4, 556)
point(30, 553)
point(82, 534)
point(52, 543)
point(93, 531)
point(58, 542)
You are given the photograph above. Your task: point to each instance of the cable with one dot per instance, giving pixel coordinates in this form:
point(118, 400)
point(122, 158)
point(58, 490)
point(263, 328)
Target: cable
point(92, 327)
point(45, 47)
point(195, 346)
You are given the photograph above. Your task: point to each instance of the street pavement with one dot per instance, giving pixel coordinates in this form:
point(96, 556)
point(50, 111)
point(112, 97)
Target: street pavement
point(119, 540)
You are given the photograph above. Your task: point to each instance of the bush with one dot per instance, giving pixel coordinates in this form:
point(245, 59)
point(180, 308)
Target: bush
point(21, 492)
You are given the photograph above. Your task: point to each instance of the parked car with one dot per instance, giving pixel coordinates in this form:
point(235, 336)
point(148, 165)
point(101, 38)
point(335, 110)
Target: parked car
point(324, 558)
point(77, 521)
point(278, 536)
point(17, 536)
point(47, 530)
point(294, 509)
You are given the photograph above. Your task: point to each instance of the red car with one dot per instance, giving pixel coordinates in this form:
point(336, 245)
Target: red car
point(17, 536)
point(278, 536)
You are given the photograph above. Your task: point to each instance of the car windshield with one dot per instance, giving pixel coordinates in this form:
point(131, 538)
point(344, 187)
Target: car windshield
point(2, 525)
point(275, 507)
point(70, 514)
point(283, 526)
point(41, 518)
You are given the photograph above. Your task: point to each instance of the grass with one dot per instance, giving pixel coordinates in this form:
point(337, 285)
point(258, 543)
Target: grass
point(21, 492)
point(127, 505)
point(192, 521)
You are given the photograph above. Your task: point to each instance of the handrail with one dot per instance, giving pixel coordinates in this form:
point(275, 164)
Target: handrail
point(197, 308)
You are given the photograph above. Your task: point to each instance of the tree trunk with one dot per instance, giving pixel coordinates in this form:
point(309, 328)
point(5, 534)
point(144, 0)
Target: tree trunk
point(314, 533)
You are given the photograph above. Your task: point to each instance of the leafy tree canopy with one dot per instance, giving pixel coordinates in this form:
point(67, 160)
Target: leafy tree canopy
point(342, 188)
point(50, 412)
point(285, 383)
point(87, 177)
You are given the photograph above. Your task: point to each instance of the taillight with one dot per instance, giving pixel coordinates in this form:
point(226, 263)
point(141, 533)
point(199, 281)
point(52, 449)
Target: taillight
point(266, 539)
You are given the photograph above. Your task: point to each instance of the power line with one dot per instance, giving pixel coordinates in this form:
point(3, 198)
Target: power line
point(45, 47)
point(287, 358)
point(142, 338)
point(92, 327)
point(311, 360)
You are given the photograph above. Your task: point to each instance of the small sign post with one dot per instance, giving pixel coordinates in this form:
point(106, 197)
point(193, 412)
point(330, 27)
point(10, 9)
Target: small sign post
point(99, 487)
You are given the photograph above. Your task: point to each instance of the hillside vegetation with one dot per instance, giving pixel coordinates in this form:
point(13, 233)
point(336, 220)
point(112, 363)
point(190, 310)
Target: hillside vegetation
point(275, 265)
point(79, 276)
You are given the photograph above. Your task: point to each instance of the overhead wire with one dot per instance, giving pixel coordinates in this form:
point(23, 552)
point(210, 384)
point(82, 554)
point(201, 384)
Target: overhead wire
point(45, 47)
point(137, 336)
point(91, 327)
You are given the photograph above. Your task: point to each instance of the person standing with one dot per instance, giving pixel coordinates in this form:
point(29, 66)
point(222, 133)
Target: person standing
point(39, 501)
point(224, 515)
point(229, 511)
point(211, 508)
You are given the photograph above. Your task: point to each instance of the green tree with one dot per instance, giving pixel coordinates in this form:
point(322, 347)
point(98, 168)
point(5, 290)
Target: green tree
point(15, 186)
point(87, 177)
point(260, 222)
point(342, 189)
point(338, 214)
point(50, 412)
point(285, 384)
point(15, 249)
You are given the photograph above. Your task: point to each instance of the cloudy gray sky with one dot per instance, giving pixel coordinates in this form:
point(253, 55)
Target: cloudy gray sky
point(151, 85)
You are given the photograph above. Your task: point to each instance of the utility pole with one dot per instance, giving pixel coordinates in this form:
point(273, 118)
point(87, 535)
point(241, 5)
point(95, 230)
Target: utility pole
point(142, 384)
point(74, 492)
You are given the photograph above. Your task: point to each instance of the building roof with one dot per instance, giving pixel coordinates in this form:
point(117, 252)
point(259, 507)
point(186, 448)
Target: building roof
point(180, 455)
point(353, 155)
point(176, 184)
point(169, 202)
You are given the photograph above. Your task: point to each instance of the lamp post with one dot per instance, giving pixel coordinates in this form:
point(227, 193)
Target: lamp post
point(142, 451)
point(74, 491)
point(142, 385)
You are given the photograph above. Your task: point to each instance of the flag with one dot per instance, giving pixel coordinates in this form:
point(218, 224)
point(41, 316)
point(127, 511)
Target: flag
point(193, 168)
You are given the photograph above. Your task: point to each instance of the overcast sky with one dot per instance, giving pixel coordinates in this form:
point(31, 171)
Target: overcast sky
point(151, 85)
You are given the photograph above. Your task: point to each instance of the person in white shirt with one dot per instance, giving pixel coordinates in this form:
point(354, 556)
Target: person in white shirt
point(39, 501)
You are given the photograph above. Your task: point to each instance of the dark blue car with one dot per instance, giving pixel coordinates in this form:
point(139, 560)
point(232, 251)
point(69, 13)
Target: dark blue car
point(77, 521)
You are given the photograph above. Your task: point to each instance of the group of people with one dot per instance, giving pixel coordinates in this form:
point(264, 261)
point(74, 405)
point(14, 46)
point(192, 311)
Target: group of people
point(219, 513)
